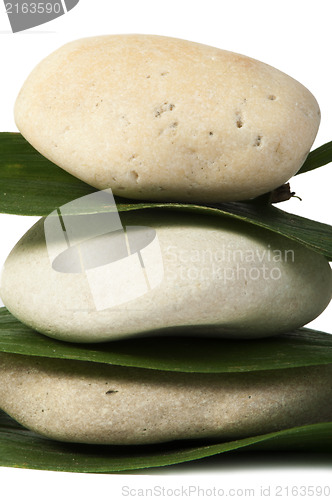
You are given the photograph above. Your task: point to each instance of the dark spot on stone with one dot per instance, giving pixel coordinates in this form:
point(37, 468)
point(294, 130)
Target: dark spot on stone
point(163, 108)
point(258, 141)
point(134, 175)
point(239, 120)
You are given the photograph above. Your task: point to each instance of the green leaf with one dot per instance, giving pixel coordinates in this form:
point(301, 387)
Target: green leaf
point(22, 448)
point(312, 234)
point(302, 347)
point(317, 158)
point(32, 185)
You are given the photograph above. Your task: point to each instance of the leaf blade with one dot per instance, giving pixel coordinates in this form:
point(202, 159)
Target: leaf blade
point(317, 158)
point(32, 185)
point(303, 347)
point(312, 234)
point(21, 448)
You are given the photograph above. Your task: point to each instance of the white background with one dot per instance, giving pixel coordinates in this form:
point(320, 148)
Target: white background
point(292, 35)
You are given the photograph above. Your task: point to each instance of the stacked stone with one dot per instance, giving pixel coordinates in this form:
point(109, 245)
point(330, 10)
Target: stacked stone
point(159, 119)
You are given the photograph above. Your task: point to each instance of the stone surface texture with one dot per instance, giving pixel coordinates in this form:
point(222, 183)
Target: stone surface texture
point(221, 277)
point(159, 118)
point(93, 403)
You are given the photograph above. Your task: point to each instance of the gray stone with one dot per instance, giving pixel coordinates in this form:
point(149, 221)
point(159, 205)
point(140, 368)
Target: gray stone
point(220, 277)
point(101, 404)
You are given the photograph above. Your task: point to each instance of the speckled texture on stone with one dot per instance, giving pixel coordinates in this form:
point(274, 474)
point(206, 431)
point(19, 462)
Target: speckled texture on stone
point(242, 280)
point(92, 403)
point(165, 119)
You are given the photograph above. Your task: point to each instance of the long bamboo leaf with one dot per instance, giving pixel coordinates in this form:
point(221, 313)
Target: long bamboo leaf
point(29, 183)
point(302, 347)
point(32, 185)
point(314, 235)
point(22, 448)
point(317, 158)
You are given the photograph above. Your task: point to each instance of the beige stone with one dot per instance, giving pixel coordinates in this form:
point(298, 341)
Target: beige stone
point(165, 119)
point(221, 278)
point(102, 404)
